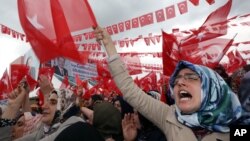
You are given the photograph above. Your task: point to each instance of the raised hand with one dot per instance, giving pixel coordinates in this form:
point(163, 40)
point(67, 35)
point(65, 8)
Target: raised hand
point(129, 127)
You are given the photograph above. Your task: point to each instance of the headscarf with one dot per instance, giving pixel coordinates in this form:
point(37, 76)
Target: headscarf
point(219, 105)
point(244, 96)
point(107, 120)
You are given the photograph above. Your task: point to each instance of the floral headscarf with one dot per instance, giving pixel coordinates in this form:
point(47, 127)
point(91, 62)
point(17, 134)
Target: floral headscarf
point(219, 105)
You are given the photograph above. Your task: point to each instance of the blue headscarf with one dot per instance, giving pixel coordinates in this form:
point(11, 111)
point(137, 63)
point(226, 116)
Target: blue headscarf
point(219, 105)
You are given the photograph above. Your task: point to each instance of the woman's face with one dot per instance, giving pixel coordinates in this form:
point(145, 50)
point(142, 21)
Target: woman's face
point(117, 105)
point(18, 129)
point(187, 91)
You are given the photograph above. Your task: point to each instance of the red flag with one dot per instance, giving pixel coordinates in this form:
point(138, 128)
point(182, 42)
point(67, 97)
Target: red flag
point(135, 23)
point(78, 80)
point(170, 12)
point(5, 85)
point(183, 7)
point(32, 83)
point(121, 26)
point(149, 82)
point(115, 28)
point(235, 61)
point(65, 83)
point(109, 30)
point(47, 71)
point(169, 58)
point(127, 24)
point(17, 72)
point(146, 19)
point(208, 53)
point(102, 72)
point(218, 16)
point(40, 97)
point(160, 15)
point(45, 21)
point(195, 2)
point(210, 2)
point(132, 63)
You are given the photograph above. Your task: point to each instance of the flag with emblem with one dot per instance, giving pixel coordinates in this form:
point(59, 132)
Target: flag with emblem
point(48, 25)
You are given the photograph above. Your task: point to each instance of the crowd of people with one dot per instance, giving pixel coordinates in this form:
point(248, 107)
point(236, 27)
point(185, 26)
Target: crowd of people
point(204, 107)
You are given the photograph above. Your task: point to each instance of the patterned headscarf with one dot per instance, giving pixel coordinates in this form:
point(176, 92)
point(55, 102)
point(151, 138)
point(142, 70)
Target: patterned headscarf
point(219, 105)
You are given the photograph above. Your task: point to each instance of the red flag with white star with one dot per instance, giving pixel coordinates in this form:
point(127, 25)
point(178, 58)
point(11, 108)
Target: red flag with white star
point(48, 25)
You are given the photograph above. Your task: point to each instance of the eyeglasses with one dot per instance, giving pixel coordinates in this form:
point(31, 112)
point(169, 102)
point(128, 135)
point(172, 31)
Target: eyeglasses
point(190, 77)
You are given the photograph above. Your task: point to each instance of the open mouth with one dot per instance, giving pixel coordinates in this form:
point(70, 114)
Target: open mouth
point(184, 95)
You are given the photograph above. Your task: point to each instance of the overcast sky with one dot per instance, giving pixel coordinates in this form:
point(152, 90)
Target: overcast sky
point(110, 12)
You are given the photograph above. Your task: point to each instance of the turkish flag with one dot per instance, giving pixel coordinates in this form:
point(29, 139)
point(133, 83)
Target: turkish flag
point(102, 71)
point(17, 72)
point(207, 53)
point(170, 12)
point(149, 82)
point(183, 7)
point(48, 26)
point(160, 15)
point(195, 2)
point(235, 61)
point(146, 19)
point(210, 2)
point(115, 28)
point(5, 85)
point(32, 82)
point(170, 56)
point(135, 23)
point(217, 16)
point(109, 30)
point(47, 71)
point(128, 24)
point(5, 30)
point(65, 83)
point(147, 41)
point(121, 26)
point(132, 63)
point(78, 80)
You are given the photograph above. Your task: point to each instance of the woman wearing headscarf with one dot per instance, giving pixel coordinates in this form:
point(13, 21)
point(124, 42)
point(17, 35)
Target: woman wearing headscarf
point(204, 104)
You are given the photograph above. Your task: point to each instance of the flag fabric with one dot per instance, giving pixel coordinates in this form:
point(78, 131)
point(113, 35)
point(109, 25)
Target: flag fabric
point(109, 30)
point(32, 83)
point(47, 71)
point(135, 23)
point(159, 14)
point(17, 73)
point(102, 71)
point(128, 24)
point(195, 2)
point(115, 28)
point(183, 8)
point(217, 16)
point(78, 80)
point(5, 85)
point(146, 19)
point(132, 63)
point(65, 83)
point(149, 82)
point(45, 21)
point(235, 61)
point(170, 12)
point(207, 53)
point(210, 2)
point(121, 26)
point(169, 58)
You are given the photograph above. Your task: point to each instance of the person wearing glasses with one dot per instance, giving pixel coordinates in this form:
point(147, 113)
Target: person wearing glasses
point(204, 104)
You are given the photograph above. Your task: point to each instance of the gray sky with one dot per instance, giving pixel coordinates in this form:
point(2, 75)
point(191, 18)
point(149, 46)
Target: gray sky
point(110, 12)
